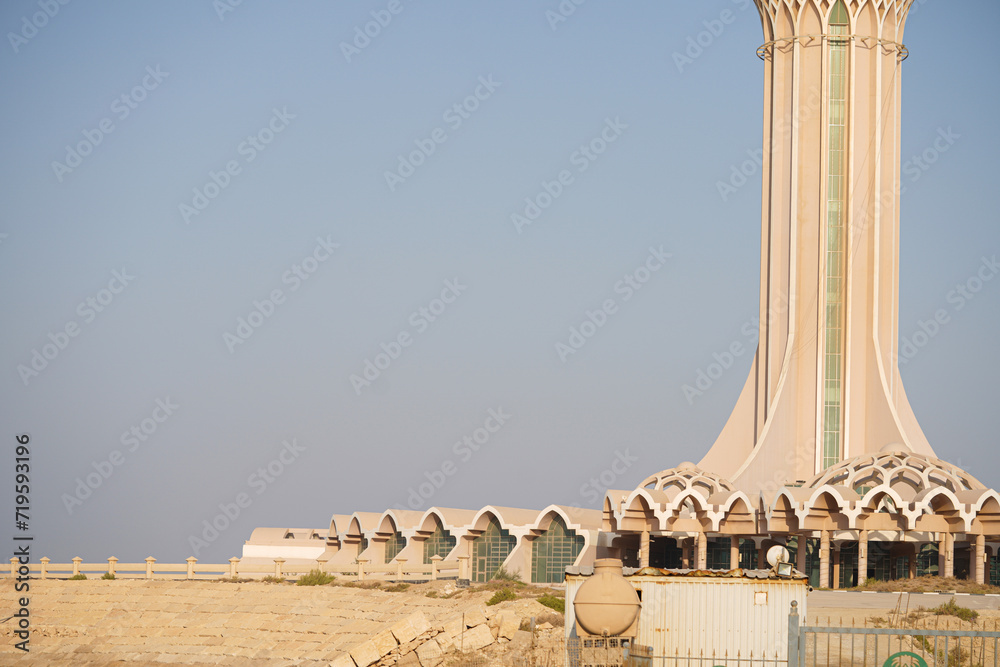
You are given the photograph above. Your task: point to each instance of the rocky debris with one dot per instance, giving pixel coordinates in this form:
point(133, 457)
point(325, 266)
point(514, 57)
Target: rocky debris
point(113, 624)
point(414, 642)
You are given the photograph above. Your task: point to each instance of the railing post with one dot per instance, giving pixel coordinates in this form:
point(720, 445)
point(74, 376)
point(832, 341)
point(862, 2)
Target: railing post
point(45, 560)
point(13, 568)
point(111, 565)
point(278, 562)
point(76, 565)
point(191, 561)
point(233, 563)
point(399, 568)
point(434, 566)
point(149, 567)
point(361, 568)
point(793, 635)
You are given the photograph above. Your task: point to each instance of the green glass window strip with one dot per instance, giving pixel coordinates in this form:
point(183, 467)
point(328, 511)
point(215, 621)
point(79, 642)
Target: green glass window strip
point(839, 14)
point(490, 550)
point(833, 363)
point(553, 551)
point(440, 543)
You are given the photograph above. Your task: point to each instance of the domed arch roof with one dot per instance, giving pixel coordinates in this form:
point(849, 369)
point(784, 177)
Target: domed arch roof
point(687, 477)
point(898, 469)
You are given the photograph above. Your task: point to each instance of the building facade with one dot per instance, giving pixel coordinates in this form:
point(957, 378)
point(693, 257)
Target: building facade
point(822, 452)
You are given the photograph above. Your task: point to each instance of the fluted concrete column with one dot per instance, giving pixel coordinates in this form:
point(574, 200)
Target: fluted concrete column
point(644, 549)
point(942, 550)
point(800, 554)
point(762, 558)
point(835, 584)
point(863, 558)
point(949, 555)
point(685, 553)
point(702, 551)
point(824, 559)
point(734, 553)
point(980, 557)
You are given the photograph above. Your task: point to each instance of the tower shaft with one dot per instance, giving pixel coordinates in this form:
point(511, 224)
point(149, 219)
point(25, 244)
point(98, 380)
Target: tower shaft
point(824, 384)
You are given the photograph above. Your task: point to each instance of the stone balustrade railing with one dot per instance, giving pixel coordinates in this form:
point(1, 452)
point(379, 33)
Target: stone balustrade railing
point(398, 570)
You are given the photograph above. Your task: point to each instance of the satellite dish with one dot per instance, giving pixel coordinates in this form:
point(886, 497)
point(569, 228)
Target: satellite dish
point(777, 554)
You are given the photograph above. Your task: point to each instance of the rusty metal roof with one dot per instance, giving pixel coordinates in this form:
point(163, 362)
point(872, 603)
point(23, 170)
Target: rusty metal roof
point(738, 573)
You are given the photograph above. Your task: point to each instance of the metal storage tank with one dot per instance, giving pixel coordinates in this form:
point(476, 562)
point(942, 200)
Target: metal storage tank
point(703, 612)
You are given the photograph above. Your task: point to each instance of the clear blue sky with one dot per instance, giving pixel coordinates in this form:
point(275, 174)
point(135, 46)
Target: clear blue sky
point(327, 127)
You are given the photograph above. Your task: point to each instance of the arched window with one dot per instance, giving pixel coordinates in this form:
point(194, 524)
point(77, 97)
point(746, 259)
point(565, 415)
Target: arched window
point(553, 551)
point(440, 543)
point(839, 16)
point(490, 550)
point(394, 545)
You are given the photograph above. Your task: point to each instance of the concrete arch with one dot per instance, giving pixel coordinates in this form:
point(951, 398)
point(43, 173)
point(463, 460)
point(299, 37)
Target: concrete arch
point(781, 513)
point(431, 519)
point(989, 502)
point(387, 524)
point(829, 15)
point(338, 524)
point(575, 518)
point(640, 512)
point(931, 500)
point(610, 520)
point(404, 521)
point(698, 501)
point(871, 500)
point(832, 493)
point(738, 498)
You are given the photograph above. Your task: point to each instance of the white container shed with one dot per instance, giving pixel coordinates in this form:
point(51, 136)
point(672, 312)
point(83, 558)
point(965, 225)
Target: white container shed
point(706, 613)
